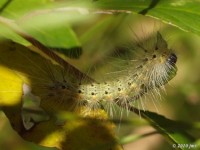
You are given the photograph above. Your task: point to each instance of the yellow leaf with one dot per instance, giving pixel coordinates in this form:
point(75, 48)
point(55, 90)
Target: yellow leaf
point(10, 87)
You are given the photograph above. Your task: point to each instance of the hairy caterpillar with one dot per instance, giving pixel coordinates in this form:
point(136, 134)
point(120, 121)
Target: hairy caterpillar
point(150, 72)
point(58, 89)
point(153, 70)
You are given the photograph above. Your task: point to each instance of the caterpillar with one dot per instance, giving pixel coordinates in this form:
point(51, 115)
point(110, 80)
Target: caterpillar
point(144, 76)
point(153, 70)
point(58, 89)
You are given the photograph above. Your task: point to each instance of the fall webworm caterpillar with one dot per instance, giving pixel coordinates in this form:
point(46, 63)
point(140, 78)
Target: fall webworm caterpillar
point(151, 68)
point(144, 75)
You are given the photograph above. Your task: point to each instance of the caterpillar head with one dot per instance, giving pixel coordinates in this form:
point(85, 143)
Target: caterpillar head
point(165, 68)
point(158, 67)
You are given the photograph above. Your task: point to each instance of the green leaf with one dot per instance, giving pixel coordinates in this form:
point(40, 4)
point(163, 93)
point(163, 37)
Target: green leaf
point(16, 8)
point(60, 38)
point(6, 32)
point(171, 12)
point(175, 131)
point(181, 13)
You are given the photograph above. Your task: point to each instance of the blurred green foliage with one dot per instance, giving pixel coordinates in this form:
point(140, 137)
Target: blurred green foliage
point(94, 30)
